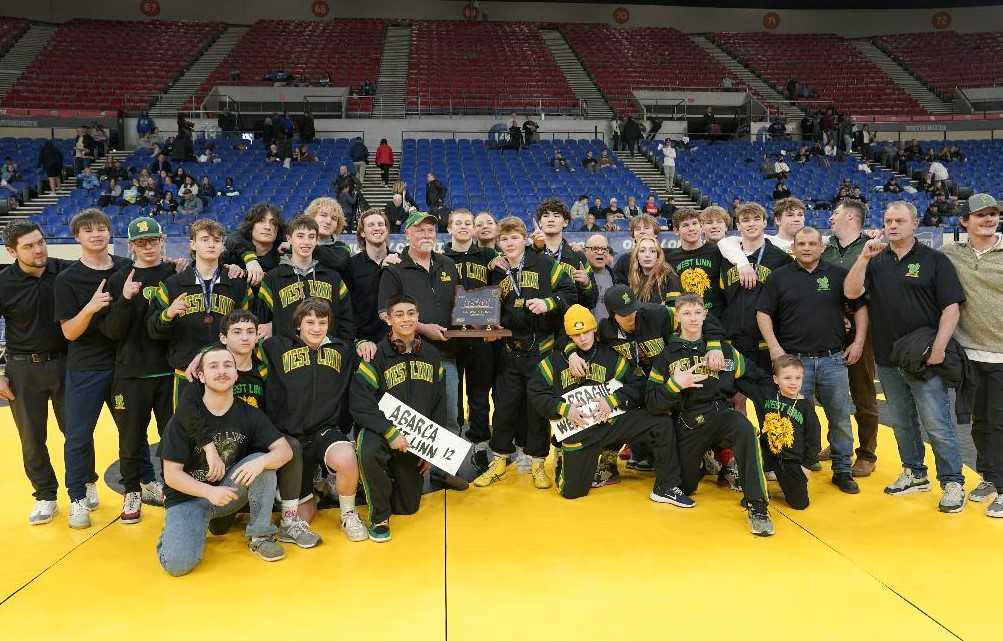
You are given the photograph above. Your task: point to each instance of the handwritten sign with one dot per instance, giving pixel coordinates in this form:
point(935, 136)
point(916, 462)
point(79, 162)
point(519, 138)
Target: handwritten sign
point(426, 439)
point(588, 397)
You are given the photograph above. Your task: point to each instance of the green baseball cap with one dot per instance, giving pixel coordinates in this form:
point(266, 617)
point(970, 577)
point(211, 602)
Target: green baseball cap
point(982, 201)
point(418, 217)
point(144, 227)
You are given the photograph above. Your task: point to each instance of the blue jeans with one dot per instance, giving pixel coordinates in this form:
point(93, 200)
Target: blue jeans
point(182, 540)
point(452, 379)
point(827, 379)
point(912, 402)
point(86, 391)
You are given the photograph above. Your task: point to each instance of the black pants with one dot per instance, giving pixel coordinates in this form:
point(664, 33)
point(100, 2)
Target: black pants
point(790, 476)
point(724, 427)
point(133, 400)
point(385, 173)
point(34, 385)
point(987, 422)
point(475, 361)
point(390, 478)
point(513, 411)
point(181, 383)
point(579, 454)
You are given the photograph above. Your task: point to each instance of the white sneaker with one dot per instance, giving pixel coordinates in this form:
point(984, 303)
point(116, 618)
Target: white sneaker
point(152, 492)
point(80, 514)
point(132, 506)
point(908, 483)
point(984, 491)
point(43, 512)
point(953, 500)
point(353, 527)
point(92, 496)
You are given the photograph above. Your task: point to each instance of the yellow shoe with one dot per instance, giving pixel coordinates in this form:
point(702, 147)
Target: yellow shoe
point(540, 479)
point(496, 470)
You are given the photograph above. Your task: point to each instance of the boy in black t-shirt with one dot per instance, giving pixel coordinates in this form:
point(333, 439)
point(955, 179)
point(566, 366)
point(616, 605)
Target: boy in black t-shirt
point(198, 491)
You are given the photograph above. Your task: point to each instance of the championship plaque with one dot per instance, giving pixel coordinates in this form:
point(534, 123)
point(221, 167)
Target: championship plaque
point(477, 314)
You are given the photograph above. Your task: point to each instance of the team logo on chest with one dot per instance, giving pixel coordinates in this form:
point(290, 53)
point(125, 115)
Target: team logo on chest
point(823, 283)
point(912, 270)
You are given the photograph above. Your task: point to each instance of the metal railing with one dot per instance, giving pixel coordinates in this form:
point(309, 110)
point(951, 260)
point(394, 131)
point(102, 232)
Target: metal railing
point(417, 134)
point(470, 104)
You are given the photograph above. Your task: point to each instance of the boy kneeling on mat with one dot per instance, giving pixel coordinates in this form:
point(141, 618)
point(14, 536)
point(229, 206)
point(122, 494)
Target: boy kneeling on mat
point(251, 449)
point(612, 402)
point(411, 371)
point(697, 397)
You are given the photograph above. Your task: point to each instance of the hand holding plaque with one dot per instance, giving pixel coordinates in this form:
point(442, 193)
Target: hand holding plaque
point(477, 314)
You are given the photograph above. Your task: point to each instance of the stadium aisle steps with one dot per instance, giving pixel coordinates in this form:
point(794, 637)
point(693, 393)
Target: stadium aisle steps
point(22, 54)
point(579, 80)
point(181, 92)
point(391, 84)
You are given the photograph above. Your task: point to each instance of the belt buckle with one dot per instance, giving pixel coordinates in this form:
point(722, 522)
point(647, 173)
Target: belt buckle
point(36, 358)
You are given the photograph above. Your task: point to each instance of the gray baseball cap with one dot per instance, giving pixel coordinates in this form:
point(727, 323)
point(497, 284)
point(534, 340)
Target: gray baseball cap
point(982, 201)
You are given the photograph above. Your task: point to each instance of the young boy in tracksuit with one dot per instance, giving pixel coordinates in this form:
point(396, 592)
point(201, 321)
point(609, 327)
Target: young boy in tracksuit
point(680, 384)
point(789, 434)
point(299, 276)
point(411, 370)
point(535, 293)
point(142, 384)
point(577, 455)
point(307, 379)
point(191, 305)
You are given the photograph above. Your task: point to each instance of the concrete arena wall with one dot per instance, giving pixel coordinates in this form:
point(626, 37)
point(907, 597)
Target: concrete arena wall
point(690, 19)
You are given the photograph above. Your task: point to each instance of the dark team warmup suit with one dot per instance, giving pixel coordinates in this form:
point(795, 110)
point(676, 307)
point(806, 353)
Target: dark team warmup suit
point(532, 338)
point(285, 287)
point(305, 391)
point(391, 479)
point(476, 360)
point(578, 454)
point(36, 366)
point(188, 332)
point(142, 385)
point(703, 416)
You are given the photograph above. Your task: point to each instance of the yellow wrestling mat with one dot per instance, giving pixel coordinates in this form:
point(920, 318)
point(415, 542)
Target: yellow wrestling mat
point(512, 562)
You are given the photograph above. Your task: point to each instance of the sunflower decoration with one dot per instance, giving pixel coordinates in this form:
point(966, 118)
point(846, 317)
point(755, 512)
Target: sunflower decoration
point(695, 281)
point(779, 432)
point(250, 400)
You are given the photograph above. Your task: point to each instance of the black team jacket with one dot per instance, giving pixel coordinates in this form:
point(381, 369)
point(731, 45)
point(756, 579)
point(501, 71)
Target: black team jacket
point(553, 378)
point(136, 354)
point(472, 265)
point(540, 277)
point(284, 288)
point(570, 260)
point(416, 378)
point(665, 397)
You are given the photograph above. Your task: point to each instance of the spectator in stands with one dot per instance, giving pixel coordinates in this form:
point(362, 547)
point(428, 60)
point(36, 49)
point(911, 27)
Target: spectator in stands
point(308, 130)
point(590, 163)
point(114, 170)
point(87, 180)
point(286, 126)
point(590, 223)
point(343, 178)
point(83, 149)
point(937, 174)
point(956, 153)
point(951, 207)
point(650, 206)
point(132, 193)
point(558, 162)
point(791, 89)
point(615, 129)
point(777, 129)
point(161, 163)
point(111, 194)
point(273, 155)
point(709, 125)
point(268, 128)
point(913, 150)
point(144, 125)
point(780, 191)
point(400, 187)
point(169, 186)
point(100, 136)
point(613, 212)
point(303, 154)
point(191, 205)
point(667, 210)
point(435, 191)
point(654, 126)
point(649, 276)
point(358, 153)
point(930, 155)
point(668, 163)
point(51, 160)
point(168, 204)
point(809, 126)
point(187, 188)
point(384, 160)
point(632, 210)
point(804, 154)
point(348, 198)
point(736, 202)
point(207, 155)
point(396, 212)
point(893, 186)
point(845, 133)
point(781, 170)
point(597, 208)
point(8, 173)
point(580, 208)
point(230, 189)
point(207, 191)
point(605, 160)
point(856, 193)
point(514, 135)
point(631, 135)
point(529, 129)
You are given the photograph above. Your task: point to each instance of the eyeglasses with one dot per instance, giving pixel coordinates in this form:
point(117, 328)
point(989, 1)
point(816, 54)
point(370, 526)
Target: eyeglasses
point(598, 250)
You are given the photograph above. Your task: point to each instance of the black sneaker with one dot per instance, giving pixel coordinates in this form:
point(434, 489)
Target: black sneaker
point(844, 481)
point(759, 518)
point(222, 525)
point(644, 465)
point(672, 496)
point(480, 460)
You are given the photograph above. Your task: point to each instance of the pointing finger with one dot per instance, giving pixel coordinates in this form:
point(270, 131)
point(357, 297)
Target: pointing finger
point(101, 286)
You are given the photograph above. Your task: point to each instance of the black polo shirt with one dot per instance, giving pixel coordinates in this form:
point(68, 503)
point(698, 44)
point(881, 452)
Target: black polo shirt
point(907, 294)
point(806, 307)
point(364, 287)
point(434, 290)
point(29, 306)
point(75, 286)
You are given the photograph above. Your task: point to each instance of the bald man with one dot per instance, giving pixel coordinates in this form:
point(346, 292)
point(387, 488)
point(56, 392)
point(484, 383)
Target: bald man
point(598, 253)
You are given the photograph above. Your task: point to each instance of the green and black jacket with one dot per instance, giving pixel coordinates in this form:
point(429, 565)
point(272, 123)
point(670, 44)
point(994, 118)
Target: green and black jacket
point(472, 265)
point(739, 316)
point(665, 397)
point(187, 333)
point(570, 260)
point(416, 378)
point(541, 278)
point(136, 354)
point(306, 387)
point(284, 288)
point(553, 378)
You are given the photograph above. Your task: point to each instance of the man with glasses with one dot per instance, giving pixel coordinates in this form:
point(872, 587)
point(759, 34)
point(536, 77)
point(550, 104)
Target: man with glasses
point(598, 253)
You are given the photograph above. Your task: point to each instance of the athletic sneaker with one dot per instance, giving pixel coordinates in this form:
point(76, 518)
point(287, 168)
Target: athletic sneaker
point(380, 532)
point(672, 496)
point(352, 525)
point(607, 472)
point(954, 498)
point(496, 470)
point(995, 509)
point(759, 518)
point(984, 491)
point(728, 477)
point(642, 465)
point(711, 466)
point(908, 483)
point(132, 506)
point(298, 531)
point(80, 515)
point(43, 512)
point(92, 496)
point(540, 479)
point(771, 475)
point(844, 481)
point(480, 458)
point(265, 548)
point(152, 492)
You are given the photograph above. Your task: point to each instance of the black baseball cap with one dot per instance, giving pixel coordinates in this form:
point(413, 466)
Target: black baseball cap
point(620, 301)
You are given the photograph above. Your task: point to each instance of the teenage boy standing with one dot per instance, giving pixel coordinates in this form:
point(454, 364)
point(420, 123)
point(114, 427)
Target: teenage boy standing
point(552, 217)
point(697, 262)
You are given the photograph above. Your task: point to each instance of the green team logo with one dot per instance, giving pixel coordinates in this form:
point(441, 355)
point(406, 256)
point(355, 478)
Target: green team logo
point(626, 298)
point(119, 401)
point(823, 283)
point(912, 270)
point(149, 293)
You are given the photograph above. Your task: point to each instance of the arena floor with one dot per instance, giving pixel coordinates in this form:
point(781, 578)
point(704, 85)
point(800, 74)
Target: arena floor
point(511, 562)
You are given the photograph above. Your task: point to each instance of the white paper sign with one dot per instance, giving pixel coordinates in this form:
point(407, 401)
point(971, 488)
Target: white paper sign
point(426, 439)
point(588, 396)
